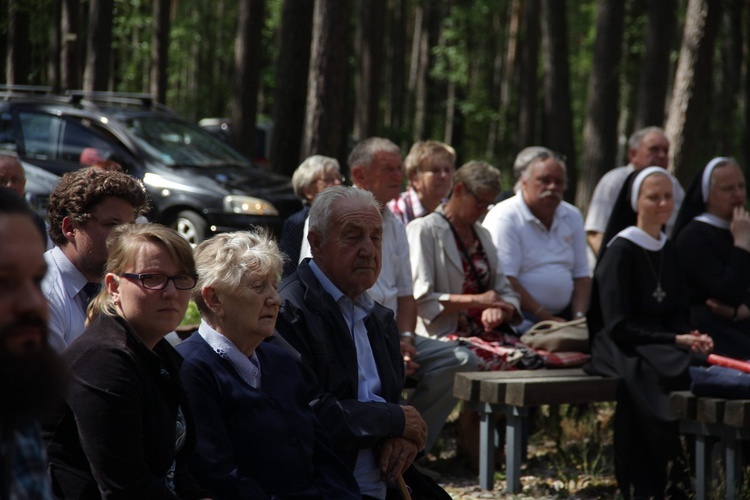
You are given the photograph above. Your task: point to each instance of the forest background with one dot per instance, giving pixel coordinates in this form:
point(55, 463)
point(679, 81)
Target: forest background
point(487, 76)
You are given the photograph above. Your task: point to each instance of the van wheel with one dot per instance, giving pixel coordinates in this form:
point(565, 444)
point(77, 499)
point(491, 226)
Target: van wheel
point(191, 226)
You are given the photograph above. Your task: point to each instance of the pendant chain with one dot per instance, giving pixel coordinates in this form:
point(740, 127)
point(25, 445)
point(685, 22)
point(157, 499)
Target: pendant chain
point(659, 293)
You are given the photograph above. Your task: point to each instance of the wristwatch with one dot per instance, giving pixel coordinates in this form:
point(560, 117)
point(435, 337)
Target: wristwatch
point(407, 335)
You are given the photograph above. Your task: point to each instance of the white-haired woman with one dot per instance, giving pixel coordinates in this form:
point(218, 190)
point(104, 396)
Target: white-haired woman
point(257, 435)
point(312, 176)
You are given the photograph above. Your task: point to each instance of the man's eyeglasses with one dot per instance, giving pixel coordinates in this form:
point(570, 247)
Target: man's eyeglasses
point(160, 281)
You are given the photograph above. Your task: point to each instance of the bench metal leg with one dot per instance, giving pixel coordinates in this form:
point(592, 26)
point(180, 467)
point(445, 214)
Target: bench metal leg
point(703, 445)
point(515, 418)
point(733, 463)
point(487, 442)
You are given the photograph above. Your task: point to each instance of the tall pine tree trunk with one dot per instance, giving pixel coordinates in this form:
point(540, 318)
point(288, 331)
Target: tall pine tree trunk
point(558, 115)
point(654, 75)
point(600, 128)
point(17, 61)
point(724, 113)
point(54, 56)
point(508, 114)
point(247, 63)
point(368, 47)
point(527, 98)
point(98, 45)
point(687, 109)
point(71, 45)
point(745, 129)
point(325, 131)
point(396, 66)
point(160, 50)
point(494, 82)
point(292, 68)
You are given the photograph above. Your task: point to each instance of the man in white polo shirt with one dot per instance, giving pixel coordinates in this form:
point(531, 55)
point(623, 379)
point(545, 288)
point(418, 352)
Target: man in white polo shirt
point(542, 245)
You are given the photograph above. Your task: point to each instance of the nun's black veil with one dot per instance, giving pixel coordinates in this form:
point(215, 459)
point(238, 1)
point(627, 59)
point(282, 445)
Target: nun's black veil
point(692, 206)
point(622, 215)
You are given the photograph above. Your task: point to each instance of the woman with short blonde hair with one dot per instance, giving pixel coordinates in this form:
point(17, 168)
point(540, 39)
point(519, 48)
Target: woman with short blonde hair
point(124, 429)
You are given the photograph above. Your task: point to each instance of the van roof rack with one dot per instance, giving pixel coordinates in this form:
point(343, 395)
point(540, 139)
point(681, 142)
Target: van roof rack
point(104, 98)
point(19, 91)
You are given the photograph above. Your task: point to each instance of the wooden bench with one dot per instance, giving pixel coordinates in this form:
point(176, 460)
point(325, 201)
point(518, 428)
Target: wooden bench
point(712, 420)
point(513, 393)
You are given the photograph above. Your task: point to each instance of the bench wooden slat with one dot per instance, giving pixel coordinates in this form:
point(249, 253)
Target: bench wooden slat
point(466, 386)
point(575, 391)
point(682, 405)
point(711, 410)
point(494, 390)
point(737, 413)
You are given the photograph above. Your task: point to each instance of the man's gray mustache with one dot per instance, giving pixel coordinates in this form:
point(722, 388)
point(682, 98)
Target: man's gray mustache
point(546, 194)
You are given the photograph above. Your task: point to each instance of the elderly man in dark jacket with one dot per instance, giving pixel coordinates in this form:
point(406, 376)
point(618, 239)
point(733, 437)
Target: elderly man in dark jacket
point(349, 343)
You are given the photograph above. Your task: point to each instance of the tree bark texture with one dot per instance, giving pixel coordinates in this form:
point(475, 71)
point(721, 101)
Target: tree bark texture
point(54, 56)
point(325, 131)
point(368, 47)
point(71, 43)
point(602, 111)
point(528, 89)
point(417, 73)
point(655, 70)
point(17, 61)
point(396, 66)
point(495, 82)
point(160, 50)
point(745, 127)
point(98, 45)
point(558, 115)
point(508, 113)
point(247, 62)
point(292, 68)
point(725, 115)
point(685, 125)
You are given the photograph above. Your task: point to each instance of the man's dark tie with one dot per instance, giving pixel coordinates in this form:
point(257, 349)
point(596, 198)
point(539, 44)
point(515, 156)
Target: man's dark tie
point(90, 291)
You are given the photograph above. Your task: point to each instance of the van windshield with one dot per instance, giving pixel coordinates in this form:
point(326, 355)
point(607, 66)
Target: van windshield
point(175, 142)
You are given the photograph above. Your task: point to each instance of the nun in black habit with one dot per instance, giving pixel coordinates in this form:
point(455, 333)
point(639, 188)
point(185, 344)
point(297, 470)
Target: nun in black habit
point(638, 323)
point(712, 235)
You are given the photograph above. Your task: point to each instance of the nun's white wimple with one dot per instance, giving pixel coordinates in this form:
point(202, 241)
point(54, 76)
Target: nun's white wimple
point(639, 180)
point(706, 179)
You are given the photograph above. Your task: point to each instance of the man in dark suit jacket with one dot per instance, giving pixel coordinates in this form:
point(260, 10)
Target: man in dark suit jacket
point(349, 343)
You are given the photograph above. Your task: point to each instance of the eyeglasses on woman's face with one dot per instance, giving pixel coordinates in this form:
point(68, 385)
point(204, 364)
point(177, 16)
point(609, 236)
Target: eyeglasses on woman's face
point(332, 180)
point(160, 281)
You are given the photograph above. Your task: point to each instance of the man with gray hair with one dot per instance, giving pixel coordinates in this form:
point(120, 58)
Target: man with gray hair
point(375, 166)
point(541, 244)
point(349, 343)
point(647, 147)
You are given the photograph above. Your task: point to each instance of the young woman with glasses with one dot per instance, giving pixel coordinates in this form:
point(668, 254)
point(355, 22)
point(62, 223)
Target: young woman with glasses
point(124, 430)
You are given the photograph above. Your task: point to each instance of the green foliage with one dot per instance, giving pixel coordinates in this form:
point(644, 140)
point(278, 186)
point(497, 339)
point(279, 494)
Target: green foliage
point(581, 38)
point(192, 316)
point(131, 44)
